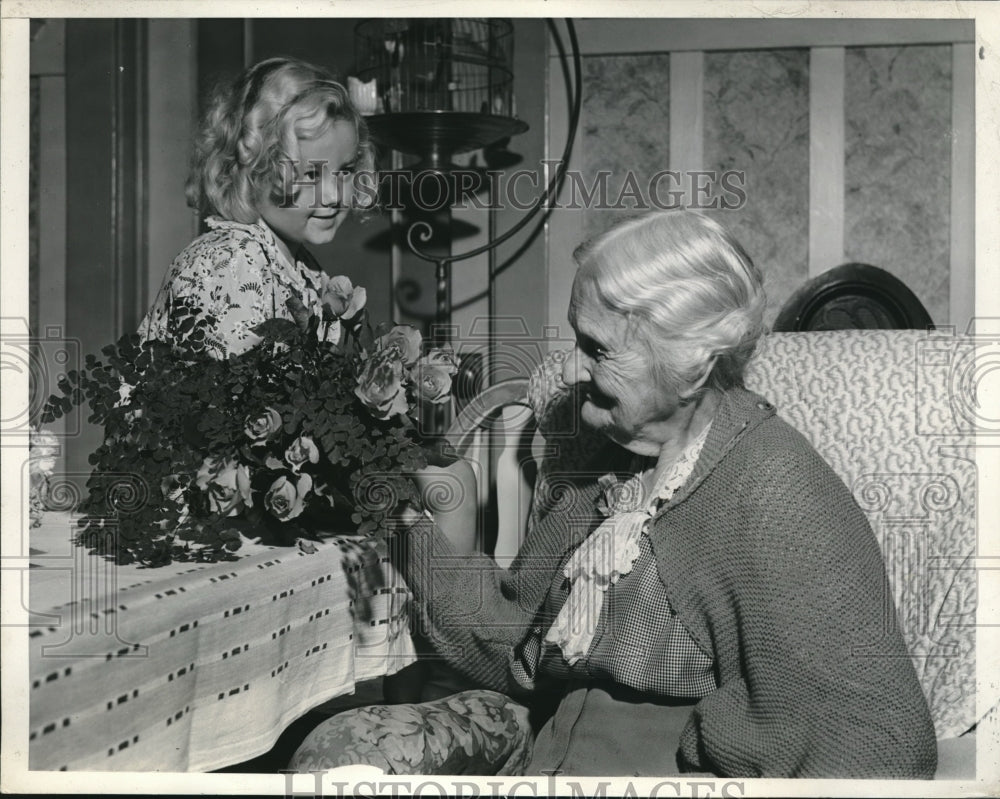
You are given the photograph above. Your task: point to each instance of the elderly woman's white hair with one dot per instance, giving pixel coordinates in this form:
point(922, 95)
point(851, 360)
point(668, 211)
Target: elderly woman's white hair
point(690, 291)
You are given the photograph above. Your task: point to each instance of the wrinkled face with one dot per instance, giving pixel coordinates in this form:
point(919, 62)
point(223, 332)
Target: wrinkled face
point(322, 191)
point(623, 397)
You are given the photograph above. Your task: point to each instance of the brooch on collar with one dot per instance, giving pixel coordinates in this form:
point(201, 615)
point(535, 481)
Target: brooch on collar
point(620, 496)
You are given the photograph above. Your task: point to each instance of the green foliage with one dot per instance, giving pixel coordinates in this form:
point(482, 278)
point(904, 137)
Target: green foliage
point(180, 475)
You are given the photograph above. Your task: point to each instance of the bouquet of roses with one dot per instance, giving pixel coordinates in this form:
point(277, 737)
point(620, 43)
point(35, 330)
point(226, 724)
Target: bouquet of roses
point(294, 437)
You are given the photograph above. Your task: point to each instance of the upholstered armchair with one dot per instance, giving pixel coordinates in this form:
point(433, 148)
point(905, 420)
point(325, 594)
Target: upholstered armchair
point(894, 413)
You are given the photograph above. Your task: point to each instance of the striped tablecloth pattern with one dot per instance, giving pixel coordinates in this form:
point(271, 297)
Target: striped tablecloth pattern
point(192, 667)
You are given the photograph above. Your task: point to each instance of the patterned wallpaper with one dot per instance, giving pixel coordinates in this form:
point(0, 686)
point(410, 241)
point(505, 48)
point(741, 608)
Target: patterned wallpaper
point(757, 121)
point(898, 170)
point(624, 125)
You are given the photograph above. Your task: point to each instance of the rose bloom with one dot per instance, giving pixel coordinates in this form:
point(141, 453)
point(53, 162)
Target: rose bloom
point(260, 428)
point(301, 451)
point(406, 340)
point(344, 300)
point(227, 483)
point(432, 381)
point(286, 499)
point(172, 489)
point(380, 385)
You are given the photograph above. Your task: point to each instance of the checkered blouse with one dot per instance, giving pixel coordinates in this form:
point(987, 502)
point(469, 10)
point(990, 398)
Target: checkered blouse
point(638, 642)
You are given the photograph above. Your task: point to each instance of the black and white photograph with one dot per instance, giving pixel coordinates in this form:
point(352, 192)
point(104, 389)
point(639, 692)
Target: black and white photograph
point(589, 401)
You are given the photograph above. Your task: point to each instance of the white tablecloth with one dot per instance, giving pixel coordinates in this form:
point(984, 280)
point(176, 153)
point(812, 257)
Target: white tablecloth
point(193, 667)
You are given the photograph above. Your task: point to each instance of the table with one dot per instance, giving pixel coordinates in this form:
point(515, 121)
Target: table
point(191, 667)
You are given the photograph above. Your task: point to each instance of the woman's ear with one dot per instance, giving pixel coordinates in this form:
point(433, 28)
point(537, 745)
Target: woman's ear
point(696, 386)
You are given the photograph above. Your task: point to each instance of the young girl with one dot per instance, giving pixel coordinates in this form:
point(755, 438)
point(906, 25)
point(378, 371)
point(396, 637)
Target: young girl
point(273, 170)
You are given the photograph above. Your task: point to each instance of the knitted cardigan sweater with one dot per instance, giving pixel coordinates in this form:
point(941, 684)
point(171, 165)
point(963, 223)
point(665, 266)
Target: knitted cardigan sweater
point(771, 567)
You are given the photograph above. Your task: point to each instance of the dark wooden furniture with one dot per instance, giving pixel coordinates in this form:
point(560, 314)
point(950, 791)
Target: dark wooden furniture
point(850, 297)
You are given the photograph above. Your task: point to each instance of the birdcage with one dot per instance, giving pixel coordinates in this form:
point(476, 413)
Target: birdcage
point(434, 87)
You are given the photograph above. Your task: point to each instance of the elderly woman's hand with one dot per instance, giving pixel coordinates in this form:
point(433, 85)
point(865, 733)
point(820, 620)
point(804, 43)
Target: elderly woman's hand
point(407, 515)
point(450, 493)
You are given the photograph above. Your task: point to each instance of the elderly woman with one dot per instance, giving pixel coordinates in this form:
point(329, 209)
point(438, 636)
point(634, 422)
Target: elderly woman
point(697, 589)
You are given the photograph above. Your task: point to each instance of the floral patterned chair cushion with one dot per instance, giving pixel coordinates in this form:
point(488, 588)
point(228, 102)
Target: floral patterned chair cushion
point(475, 732)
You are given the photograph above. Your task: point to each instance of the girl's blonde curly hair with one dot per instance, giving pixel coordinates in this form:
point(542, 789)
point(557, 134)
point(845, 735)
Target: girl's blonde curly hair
point(250, 130)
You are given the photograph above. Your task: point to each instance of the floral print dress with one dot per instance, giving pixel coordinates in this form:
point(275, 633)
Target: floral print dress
point(236, 274)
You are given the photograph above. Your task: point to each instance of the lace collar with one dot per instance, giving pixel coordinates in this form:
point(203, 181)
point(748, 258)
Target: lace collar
point(610, 552)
